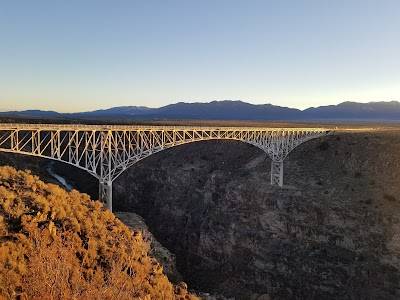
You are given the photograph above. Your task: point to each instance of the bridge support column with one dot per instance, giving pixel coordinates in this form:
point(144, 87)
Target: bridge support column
point(105, 193)
point(277, 173)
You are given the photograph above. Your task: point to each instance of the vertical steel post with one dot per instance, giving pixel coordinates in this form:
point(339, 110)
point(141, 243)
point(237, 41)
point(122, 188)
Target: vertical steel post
point(105, 193)
point(105, 184)
point(277, 173)
point(13, 136)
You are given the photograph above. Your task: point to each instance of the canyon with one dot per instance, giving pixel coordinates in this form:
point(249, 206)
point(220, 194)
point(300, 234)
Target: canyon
point(332, 231)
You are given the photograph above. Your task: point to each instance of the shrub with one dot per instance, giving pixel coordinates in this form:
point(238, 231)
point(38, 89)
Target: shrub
point(390, 198)
point(204, 157)
point(62, 245)
point(357, 174)
point(323, 146)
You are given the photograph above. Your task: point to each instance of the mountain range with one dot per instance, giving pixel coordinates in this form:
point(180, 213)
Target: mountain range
point(233, 110)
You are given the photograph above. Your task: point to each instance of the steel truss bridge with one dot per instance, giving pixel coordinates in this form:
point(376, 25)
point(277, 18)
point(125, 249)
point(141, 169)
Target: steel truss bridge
point(105, 151)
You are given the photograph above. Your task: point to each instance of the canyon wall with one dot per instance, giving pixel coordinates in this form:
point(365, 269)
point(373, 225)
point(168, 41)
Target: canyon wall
point(332, 232)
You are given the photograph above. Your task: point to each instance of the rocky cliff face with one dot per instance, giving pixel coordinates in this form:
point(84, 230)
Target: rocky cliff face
point(333, 231)
point(163, 256)
point(156, 250)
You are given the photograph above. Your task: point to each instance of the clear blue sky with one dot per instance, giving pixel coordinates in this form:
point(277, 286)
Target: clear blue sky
point(81, 55)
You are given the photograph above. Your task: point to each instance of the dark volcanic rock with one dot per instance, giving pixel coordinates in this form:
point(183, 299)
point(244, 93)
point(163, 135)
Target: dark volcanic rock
point(157, 251)
point(333, 231)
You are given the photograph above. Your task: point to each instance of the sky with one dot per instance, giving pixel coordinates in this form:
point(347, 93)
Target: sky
point(75, 55)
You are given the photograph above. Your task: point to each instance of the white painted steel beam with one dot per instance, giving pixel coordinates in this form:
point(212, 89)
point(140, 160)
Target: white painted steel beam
point(105, 151)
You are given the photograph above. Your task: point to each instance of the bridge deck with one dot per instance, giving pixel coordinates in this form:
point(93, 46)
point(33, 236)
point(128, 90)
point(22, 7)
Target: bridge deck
point(147, 127)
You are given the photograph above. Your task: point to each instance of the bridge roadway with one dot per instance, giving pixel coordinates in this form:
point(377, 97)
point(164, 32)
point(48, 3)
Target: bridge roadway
point(105, 151)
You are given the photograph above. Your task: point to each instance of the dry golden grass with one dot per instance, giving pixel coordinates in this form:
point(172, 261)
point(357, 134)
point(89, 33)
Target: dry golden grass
point(59, 245)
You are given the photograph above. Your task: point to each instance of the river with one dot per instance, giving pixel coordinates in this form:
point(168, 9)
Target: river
point(60, 179)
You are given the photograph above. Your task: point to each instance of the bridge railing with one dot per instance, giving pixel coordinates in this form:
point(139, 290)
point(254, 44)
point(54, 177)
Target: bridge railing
point(149, 127)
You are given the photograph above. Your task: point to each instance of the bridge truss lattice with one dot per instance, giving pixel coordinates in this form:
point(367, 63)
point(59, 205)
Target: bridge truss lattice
point(105, 151)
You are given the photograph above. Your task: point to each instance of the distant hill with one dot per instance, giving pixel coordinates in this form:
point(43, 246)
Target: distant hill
point(224, 110)
point(119, 112)
point(234, 110)
point(34, 113)
point(354, 110)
